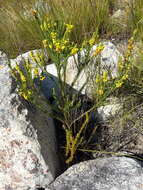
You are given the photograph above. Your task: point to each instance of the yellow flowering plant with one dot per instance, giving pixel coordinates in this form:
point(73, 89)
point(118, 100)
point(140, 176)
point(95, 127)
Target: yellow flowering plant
point(56, 42)
point(104, 83)
point(23, 77)
point(67, 109)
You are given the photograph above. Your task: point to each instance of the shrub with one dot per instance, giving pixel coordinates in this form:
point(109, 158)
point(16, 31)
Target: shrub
point(68, 108)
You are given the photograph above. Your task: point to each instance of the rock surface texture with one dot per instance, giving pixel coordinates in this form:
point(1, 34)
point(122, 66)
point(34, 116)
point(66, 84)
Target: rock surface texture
point(28, 158)
point(109, 61)
point(114, 173)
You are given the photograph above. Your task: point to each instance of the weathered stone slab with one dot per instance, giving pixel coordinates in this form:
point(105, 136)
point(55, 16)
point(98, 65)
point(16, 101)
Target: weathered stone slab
point(114, 173)
point(28, 153)
point(108, 61)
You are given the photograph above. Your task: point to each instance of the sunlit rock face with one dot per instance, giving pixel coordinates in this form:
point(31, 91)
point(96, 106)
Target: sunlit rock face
point(109, 59)
point(114, 173)
point(28, 154)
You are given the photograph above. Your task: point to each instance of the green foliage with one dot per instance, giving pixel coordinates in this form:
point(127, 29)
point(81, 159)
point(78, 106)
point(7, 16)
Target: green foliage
point(135, 18)
point(57, 44)
point(59, 48)
point(87, 20)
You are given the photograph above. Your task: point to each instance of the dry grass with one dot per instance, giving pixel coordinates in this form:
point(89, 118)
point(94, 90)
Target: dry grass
point(18, 31)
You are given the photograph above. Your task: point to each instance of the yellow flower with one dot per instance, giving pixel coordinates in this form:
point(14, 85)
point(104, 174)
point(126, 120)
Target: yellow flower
point(28, 65)
point(17, 68)
point(119, 83)
point(66, 41)
point(63, 47)
point(54, 41)
point(69, 27)
point(42, 77)
point(58, 47)
point(50, 46)
point(32, 56)
point(29, 92)
point(128, 54)
point(98, 78)
point(45, 43)
point(100, 91)
point(36, 72)
point(125, 77)
point(120, 65)
point(130, 47)
point(92, 41)
point(1, 66)
point(26, 95)
point(105, 76)
point(131, 41)
point(53, 35)
point(34, 13)
point(74, 51)
point(98, 50)
point(23, 78)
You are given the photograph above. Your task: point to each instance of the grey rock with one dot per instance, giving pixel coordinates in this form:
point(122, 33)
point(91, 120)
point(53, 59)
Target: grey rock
point(3, 58)
point(28, 151)
point(104, 113)
point(113, 173)
point(109, 61)
point(52, 69)
point(110, 57)
point(119, 20)
point(26, 56)
point(118, 14)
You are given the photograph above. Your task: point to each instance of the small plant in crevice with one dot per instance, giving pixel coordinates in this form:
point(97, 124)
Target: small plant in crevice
point(59, 49)
point(68, 106)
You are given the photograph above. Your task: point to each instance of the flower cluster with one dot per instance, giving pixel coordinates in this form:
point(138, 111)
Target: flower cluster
point(74, 50)
point(24, 80)
point(130, 48)
point(69, 28)
point(98, 50)
point(124, 65)
point(101, 82)
point(57, 42)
